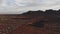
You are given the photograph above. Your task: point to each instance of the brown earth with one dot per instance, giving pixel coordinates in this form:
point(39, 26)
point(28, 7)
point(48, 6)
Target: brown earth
point(15, 24)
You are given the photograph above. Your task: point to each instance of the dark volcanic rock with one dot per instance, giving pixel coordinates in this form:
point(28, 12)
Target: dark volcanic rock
point(49, 12)
point(38, 24)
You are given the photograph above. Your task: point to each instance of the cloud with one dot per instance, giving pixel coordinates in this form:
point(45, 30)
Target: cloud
point(21, 6)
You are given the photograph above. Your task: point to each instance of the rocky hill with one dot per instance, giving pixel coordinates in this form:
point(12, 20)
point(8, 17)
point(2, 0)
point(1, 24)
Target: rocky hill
point(49, 12)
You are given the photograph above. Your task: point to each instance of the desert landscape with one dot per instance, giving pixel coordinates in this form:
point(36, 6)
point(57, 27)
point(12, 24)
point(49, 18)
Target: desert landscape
point(31, 22)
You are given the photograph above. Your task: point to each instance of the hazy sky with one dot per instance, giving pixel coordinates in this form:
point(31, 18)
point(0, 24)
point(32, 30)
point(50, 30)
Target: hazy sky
point(21, 6)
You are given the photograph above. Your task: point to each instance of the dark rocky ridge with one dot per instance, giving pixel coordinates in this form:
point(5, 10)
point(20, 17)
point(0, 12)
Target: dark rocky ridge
point(49, 12)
